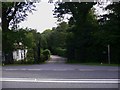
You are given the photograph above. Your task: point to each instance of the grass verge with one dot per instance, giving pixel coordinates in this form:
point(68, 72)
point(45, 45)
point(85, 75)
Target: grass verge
point(93, 64)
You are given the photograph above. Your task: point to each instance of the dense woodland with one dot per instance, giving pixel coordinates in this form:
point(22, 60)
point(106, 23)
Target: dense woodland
point(83, 39)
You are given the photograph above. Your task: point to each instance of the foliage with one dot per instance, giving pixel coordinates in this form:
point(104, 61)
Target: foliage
point(109, 30)
point(12, 14)
point(30, 56)
point(15, 12)
point(83, 39)
point(78, 11)
point(88, 37)
point(46, 39)
point(46, 54)
point(79, 37)
point(55, 39)
point(61, 52)
point(33, 44)
point(0, 39)
point(30, 40)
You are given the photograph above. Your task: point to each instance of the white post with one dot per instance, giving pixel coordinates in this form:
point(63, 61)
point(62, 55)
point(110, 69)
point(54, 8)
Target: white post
point(108, 53)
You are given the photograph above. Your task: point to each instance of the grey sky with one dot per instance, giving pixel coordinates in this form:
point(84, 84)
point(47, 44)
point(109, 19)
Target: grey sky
point(41, 19)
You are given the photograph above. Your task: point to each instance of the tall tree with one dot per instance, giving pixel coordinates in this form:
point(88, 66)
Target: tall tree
point(80, 29)
point(12, 14)
point(15, 12)
point(109, 30)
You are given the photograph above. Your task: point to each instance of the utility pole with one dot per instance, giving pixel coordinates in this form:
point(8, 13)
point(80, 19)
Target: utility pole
point(108, 53)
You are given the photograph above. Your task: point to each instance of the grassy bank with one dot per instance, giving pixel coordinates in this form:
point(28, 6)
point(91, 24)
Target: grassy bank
point(93, 64)
point(99, 64)
point(21, 64)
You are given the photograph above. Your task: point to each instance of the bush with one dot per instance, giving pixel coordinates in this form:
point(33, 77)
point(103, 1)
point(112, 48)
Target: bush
point(18, 62)
point(30, 55)
point(46, 54)
point(24, 62)
point(60, 52)
point(30, 61)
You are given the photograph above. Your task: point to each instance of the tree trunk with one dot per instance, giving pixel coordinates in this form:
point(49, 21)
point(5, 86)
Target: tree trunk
point(9, 58)
point(38, 52)
point(34, 55)
point(24, 55)
point(8, 53)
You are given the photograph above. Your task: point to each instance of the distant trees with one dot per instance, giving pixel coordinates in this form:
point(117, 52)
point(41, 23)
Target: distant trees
point(46, 41)
point(55, 39)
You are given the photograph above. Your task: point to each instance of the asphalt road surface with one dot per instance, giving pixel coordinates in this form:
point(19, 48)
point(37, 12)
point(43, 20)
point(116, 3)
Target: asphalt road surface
point(56, 74)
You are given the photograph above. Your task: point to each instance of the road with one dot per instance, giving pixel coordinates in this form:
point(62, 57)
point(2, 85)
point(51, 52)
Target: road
point(56, 74)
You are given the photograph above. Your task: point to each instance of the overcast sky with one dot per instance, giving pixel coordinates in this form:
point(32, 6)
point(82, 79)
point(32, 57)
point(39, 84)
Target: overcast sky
point(43, 18)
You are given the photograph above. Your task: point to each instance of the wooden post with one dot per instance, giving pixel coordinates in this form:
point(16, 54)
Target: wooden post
point(108, 53)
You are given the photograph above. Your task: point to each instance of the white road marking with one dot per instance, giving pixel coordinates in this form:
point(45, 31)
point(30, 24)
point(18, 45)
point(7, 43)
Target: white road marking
point(99, 81)
point(10, 69)
point(24, 69)
point(34, 69)
point(86, 69)
point(62, 69)
point(37, 69)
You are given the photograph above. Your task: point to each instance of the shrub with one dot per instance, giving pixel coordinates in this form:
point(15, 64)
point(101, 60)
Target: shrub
point(46, 54)
point(30, 55)
point(30, 61)
point(60, 51)
point(18, 62)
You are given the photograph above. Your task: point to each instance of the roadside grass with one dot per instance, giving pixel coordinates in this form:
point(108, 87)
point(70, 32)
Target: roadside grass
point(99, 64)
point(22, 64)
point(93, 64)
point(16, 64)
point(0, 63)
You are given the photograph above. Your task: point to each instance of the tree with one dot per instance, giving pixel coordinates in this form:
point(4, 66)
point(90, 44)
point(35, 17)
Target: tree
point(12, 14)
point(55, 39)
point(30, 40)
point(78, 11)
point(38, 44)
point(88, 37)
point(46, 40)
point(34, 44)
point(81, 27)
point(0, 40)
point(109, 25)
